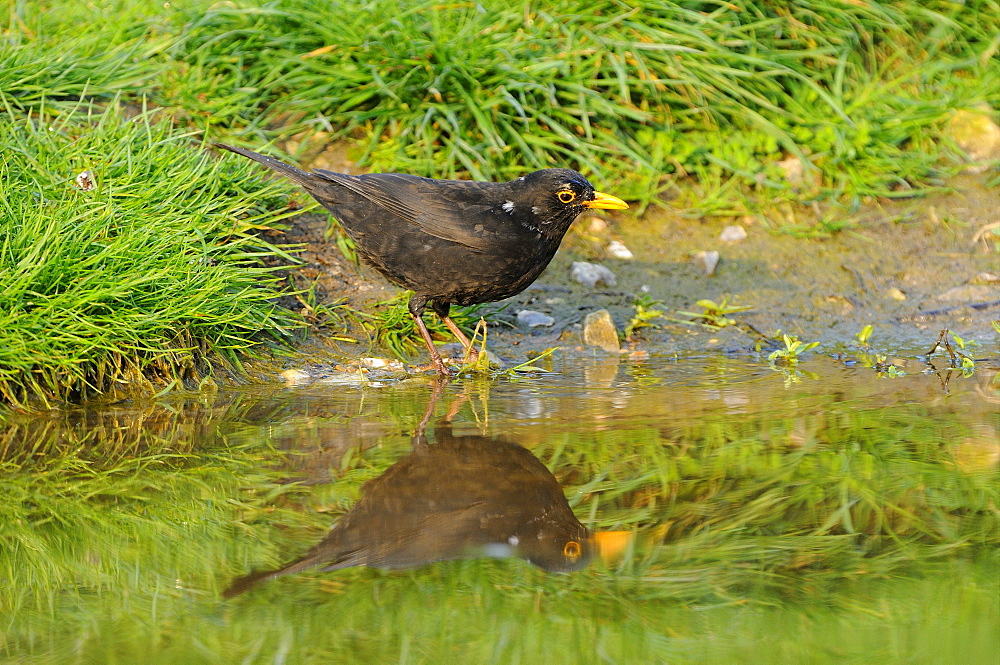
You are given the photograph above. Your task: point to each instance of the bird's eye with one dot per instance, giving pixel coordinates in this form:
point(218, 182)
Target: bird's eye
point(571, 549)
point(566, 196)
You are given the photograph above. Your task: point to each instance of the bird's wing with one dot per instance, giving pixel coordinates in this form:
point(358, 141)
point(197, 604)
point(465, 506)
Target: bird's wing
point(426, 204)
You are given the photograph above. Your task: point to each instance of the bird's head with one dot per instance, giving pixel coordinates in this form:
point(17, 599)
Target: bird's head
point(555, 197)
point(557, 543)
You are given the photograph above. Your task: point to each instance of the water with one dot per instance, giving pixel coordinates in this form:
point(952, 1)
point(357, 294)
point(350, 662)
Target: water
point(821, 515)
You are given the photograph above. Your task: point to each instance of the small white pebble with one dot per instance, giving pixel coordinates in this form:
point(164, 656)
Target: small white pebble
point(589, 274)
point(733, 233)
point(618, 250)
point(532, 319)
point(709, 260)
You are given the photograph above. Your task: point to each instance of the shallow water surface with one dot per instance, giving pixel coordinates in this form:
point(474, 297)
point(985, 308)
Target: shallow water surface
point(821, 515)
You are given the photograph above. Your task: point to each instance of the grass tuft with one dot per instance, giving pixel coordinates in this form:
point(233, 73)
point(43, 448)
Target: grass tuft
point(144, 272)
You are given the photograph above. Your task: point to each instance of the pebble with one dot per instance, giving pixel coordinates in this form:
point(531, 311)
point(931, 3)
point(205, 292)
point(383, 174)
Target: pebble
point(709, 260)
point(793, 169)
point(589, 274)
point(969, 293)
point(617, 250)
point(596, 225)
point(896, 294)
point(532, 319)
point(295, 377)
point(599, 330)
point(733, 233)
point(975, 132)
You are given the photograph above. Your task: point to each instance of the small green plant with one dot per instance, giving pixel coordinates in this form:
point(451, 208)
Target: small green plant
point(646, 312)
point(715, 315)
point(892, 371)
point(391, 325)
point(789, 356)
point(489, 366)
point(331, 317)
point(865, 335)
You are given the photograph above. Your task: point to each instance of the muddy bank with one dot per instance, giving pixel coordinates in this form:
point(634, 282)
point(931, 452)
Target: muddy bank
point(910, 268)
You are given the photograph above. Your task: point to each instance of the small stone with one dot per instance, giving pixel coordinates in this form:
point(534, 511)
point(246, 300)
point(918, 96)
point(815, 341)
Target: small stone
point(596, 225)
point(295, 377)
point(733, 233)
point(618, 250)
point(599, 330)
point(589, 274)
point(709, 260)
point(533, 319)
point(985, 278)
point(969, 293)
point(793, 169)
point(375, 363)
point(896, 294)
point(976, 133)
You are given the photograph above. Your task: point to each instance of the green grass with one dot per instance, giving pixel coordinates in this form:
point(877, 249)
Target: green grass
point(150, 275)
point(626, 92)
point(809, 526)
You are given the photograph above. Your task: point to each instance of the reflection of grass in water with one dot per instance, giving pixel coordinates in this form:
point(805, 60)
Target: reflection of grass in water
point(812, 518)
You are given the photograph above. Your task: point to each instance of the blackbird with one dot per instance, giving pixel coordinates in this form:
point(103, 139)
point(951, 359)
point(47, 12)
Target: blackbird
point(462, 496)
point(451, 242)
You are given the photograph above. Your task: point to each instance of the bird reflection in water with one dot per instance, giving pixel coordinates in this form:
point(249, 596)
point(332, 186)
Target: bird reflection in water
point(459, 497)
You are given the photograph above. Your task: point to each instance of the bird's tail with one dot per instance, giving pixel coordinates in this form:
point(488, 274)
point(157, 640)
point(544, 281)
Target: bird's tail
point(247, 582)
point(296, 174)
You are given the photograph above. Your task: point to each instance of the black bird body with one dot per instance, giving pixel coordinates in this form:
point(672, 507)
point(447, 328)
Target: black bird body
point(435, 248)
point(451, 241)
point(463, 496)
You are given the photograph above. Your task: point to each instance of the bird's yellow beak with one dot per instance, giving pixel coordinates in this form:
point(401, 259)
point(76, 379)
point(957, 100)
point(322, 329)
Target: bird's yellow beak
point(611, 545)
point(605, 201)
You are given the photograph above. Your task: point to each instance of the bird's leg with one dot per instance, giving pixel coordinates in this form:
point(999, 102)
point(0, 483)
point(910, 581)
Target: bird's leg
point(416, 309)
point(442, 309)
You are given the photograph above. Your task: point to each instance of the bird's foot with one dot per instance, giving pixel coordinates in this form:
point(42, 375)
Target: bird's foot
point(439, 367)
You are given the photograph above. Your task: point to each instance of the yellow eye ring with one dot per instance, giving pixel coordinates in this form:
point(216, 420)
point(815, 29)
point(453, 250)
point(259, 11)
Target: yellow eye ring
point(566, 196)
point(572, 550)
